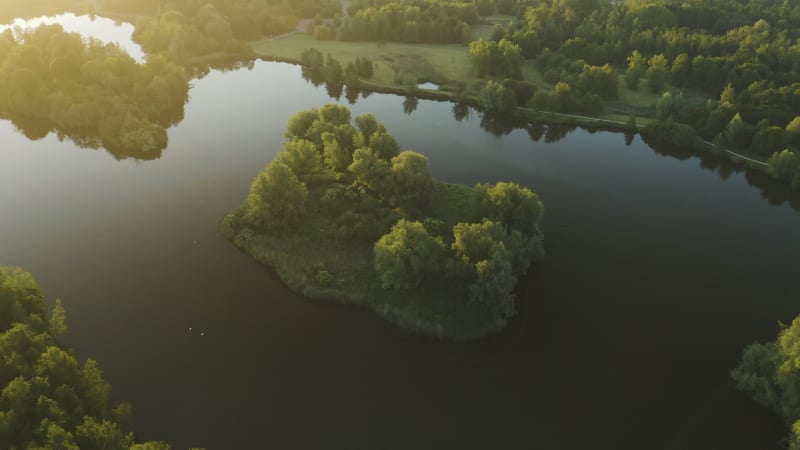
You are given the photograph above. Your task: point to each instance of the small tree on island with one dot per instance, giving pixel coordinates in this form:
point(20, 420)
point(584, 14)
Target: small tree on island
point(276, 199)
point(408, 255)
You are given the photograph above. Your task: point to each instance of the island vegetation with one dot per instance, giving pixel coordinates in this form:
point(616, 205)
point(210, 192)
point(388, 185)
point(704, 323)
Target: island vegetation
point(48, 399)
point(771, 374)
point(342, 214)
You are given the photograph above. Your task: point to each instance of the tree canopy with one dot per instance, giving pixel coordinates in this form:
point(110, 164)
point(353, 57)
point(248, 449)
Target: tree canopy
point(93, 93)
point(771, 374)
point(341, 186)
point(48, 399)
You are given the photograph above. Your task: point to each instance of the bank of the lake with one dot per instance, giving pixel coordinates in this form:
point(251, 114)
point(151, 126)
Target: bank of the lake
point(449, 66)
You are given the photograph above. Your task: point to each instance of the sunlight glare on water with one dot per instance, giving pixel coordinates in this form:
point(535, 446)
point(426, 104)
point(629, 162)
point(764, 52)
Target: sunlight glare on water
point(100, 28)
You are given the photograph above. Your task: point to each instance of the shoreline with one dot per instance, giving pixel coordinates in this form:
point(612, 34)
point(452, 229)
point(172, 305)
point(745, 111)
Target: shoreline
point(547, 117)
point(410, 323)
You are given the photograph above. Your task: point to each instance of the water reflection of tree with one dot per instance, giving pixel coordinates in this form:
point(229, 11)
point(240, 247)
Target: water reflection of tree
point(461, 111)
point(410, 104)
point(314, 77)
point(775, 192)
point(351, 94)
point(92, 94)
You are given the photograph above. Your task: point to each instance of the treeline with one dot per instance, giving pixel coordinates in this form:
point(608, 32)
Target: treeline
point(92, 93)
point(48, 399)
point(184, 30)
point(231, 8)
point(189, 29)
point(14, 9)
point(348, 183)
point(691, 45)
point(770, 373)
point(417, 21)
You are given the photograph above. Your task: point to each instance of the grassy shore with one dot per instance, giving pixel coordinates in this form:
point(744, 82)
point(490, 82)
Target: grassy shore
point(314, 263)
point(449, 66)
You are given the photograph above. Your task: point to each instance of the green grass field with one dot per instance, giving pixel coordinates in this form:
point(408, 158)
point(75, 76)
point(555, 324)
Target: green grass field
point(436, 62)
point(443, 64)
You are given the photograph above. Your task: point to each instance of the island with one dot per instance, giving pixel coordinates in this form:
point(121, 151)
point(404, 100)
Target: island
point(341, 214)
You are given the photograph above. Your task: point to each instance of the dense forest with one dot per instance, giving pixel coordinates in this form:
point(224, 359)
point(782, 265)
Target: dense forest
point(342, 214)
point(728, 70)
point(425, 21)
point(11, 10)
point(725, 74)
point(49, 400)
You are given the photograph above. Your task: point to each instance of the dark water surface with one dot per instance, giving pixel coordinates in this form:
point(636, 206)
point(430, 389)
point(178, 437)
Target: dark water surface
point(659, 270)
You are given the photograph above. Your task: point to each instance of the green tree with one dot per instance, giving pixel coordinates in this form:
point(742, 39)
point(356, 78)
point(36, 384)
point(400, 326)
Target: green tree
point(410, 185)
point(384, 145)
point(101, 434)
point(637, 65)
point(738, 133)
point(302, 157)
point(58, 320)
point(785, 166)
point(474, 242)
point(484, 7)
point(728, 95)
point(771, 373)
point(657, 73)
point(496, 97)
point(681, 70)
point(494, 283)
point(768, 140)
point(486, 265)
point(47, 399)
point(337, 156)
point(513, 206)
point(368, 125)
point(600, 80)
point(300, 124)
point(276, 199)
point(408, 255)
point(793, 132)
point(369, 169)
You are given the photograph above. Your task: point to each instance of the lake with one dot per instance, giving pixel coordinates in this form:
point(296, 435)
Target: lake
point(660, 268)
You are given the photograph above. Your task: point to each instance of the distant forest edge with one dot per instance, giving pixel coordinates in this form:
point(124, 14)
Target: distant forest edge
point(48, 399)
point(342, 214)
point(719, 77)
